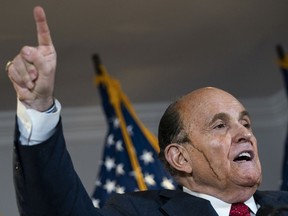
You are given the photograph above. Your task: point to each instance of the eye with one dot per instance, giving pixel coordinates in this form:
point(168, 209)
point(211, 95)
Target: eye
point(219, 126)
point(246, 124)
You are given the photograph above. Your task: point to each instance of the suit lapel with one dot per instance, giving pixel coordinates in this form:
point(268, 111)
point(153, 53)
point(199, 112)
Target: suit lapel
point(181, 203)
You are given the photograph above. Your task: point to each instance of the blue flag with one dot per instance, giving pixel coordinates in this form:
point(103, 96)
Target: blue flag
point(283, 62)
point(130, 159)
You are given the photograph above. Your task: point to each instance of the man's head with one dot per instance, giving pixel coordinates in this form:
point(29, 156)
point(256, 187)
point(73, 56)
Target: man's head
point(207, 142)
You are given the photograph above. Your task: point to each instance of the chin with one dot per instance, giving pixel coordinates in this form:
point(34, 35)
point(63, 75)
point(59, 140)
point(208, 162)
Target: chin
point(248, 178)
point(250, 181)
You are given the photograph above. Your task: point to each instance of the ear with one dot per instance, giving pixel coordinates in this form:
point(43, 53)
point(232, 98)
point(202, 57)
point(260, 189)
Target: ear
point(178, 157)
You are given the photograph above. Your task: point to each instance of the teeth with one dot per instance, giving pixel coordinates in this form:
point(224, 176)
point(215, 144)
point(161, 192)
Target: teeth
point(245, 154)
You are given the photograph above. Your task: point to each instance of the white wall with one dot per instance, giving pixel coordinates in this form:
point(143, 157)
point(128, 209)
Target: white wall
point(85, 129)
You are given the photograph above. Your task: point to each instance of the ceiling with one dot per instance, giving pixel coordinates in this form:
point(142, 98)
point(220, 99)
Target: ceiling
point(158, 49)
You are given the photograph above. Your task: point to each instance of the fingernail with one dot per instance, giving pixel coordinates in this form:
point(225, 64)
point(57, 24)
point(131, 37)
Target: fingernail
point(26, 50)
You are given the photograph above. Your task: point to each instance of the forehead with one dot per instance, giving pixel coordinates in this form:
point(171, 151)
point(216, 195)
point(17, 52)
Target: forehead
point(205, 104)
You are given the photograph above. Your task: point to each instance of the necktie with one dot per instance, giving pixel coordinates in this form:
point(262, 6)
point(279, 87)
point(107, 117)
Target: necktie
point(239, 209)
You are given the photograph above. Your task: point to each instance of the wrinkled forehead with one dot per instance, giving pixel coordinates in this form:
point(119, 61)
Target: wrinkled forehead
point(205, 103)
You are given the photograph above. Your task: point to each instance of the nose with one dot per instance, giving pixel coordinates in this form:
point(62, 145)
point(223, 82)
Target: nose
point(242, 134)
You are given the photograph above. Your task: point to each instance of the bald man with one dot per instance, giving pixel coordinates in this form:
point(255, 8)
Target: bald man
point(205, 137)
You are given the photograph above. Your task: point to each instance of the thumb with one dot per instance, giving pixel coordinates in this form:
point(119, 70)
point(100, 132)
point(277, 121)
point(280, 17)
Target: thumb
point(35, 62)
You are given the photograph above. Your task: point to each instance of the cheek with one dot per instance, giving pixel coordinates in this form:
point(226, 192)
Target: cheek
point(217, 155)
point(213, 148)
point(211, 163)
point(214, 153)
point(218, 148)
point(255, 145)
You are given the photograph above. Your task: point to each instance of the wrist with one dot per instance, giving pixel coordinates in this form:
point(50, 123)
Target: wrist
point(40, 105)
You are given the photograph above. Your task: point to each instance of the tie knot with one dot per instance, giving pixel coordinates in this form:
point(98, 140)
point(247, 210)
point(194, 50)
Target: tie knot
point(239, 209)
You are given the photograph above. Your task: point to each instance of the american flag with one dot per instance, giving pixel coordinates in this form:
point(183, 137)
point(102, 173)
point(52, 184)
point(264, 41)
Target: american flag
point(130, 159)
point(283, 63)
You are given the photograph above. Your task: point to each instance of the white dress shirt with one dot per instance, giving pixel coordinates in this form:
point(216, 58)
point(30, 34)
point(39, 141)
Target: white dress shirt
point(222, 208)
point(34, 126)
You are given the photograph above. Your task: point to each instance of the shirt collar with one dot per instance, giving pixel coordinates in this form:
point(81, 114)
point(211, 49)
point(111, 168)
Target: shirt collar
point(221, 207)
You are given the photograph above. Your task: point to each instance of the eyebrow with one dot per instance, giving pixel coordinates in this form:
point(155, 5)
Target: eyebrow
point(225, 116)
point(244, 113)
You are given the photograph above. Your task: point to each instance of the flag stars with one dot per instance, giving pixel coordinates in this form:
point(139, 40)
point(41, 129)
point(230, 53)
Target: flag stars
point(149, 179)
point(130, 130)
point(109, 163)
point(109, 186)
point(110, 140)
point(167, 183)
point(97, 183)
point(119, 146)
point(120, 189)
point(132, 173)
point(120, 169)
point(96, 203)
point(147, 157)
point(116, 123)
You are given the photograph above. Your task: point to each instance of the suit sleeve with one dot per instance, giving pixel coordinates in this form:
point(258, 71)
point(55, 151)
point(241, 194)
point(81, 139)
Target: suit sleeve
point(45, 180)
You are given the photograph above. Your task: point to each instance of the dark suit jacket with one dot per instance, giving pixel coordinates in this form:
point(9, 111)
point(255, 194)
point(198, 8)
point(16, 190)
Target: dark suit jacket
point(47, 184)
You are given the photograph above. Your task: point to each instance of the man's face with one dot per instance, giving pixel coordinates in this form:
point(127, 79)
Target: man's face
point(223, 152)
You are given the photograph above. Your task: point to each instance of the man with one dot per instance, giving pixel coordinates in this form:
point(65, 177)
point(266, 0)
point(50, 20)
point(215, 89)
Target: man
point(205, 138)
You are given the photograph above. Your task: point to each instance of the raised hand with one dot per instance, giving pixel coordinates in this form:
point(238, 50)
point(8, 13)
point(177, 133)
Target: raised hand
point(32, 71)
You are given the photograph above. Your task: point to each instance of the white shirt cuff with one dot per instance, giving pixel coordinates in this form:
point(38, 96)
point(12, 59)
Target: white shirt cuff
point(36, 127)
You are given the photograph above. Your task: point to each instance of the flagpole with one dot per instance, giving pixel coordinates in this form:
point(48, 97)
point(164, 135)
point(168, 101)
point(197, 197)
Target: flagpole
point(97, 63)
point(139, 157)
point(113, 89)
point(280, 52)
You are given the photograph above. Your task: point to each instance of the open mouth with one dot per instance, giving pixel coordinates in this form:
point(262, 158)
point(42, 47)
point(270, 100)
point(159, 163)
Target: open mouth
point(244, 156)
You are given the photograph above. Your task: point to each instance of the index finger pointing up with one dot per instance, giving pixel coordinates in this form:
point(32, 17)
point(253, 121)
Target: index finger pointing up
point(43, 33)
